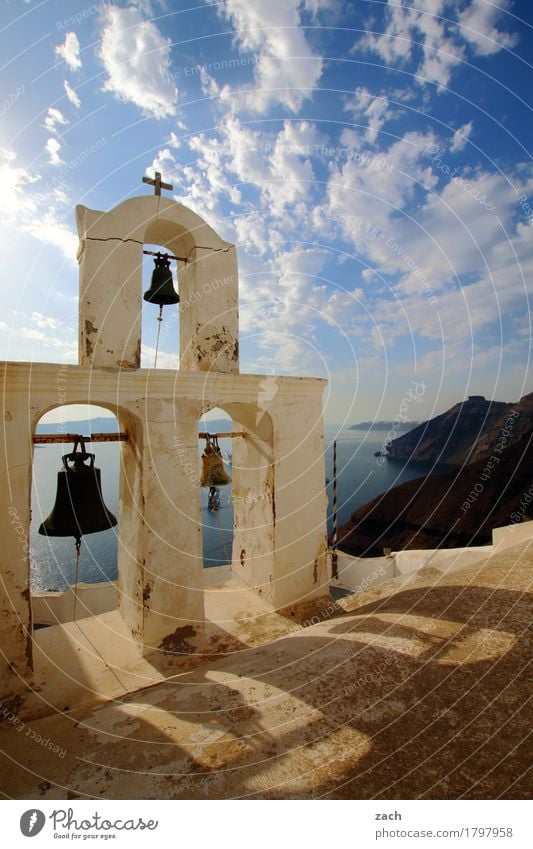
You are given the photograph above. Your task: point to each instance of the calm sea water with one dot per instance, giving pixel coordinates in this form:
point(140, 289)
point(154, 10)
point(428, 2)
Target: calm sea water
point(360, 478)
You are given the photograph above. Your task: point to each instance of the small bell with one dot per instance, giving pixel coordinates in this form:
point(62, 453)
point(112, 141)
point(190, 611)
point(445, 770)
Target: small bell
point(161, 291)
point(79, 507)
point(213, 472)
point(213, 499)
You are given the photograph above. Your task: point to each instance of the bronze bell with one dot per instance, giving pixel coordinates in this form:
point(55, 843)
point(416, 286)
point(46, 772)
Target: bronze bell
point(79, 507)
point(213, 472)
point(161, 289)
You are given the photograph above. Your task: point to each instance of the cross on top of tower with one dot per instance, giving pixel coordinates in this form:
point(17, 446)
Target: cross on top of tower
point(157, 184)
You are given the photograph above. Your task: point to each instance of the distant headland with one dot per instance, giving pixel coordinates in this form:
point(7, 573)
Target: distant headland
point(383, 425)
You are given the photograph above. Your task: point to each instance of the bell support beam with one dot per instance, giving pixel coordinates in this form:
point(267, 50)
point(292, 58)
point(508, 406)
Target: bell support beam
point(205, 434)
point(53, 438)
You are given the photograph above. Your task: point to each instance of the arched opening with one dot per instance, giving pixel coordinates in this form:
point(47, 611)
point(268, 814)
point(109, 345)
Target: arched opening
point(159, 328)
point(249, 503)
point(60, 588)
point(216, 501)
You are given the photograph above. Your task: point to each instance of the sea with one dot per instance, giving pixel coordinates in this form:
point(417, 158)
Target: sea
point(360, 477)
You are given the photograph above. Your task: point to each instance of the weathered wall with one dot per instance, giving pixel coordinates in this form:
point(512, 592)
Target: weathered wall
point(160, 547)
point(110, 257)
point(253, 494)
point(49, 608)
point(359, 573)
point(300, 495)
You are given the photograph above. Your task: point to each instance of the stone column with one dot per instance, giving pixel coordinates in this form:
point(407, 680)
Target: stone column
point(167, 596)
point(15, 612)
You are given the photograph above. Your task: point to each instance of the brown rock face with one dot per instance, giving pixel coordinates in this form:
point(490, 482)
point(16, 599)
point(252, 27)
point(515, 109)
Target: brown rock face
point(465, 433)
point(513, 425)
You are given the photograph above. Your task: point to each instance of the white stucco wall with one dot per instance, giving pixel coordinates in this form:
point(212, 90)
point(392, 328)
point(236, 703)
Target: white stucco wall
point(278, 472)
point(51, 608)
point(413, 559)
point(110, 257)
point(360, 573)
point(160, 558)
point(510, 535)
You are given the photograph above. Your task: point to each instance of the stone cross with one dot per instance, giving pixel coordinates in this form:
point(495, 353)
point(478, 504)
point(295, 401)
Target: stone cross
point(157, 184)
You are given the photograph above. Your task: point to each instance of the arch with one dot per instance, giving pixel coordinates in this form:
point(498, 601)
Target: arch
point(159, 330)
point(130, 496)
point(110, 257)
point(252, 493)
point(217, 511)
point(52, 560)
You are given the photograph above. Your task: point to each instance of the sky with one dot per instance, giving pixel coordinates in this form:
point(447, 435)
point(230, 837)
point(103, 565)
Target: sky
point(370, 160)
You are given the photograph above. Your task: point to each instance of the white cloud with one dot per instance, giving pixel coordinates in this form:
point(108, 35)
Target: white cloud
point(53, 147)
point(137, 60)
point(70, 51)
point(46, 334)
point(208, 84)
point(444, 265)
point(278, 167)
point(429, 24)
point(374, 110)
point(461, 136)
point(287, 69)
point(394, 44)
point(164, 359)
point(45, 320)
point(408, 227)
point(71, 94)
point(441, 53)
point(49, 229)
point(407, 28)
point(291, 164)
point(364, 196)
point(14, 181)
point(54, 117)
point(254, 232)
point(48, 341)
point(479, 27)
point(29, 213)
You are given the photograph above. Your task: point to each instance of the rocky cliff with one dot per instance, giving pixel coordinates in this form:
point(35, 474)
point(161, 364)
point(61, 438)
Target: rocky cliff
point(515, 422)
point(465, 433)
point(448, 510)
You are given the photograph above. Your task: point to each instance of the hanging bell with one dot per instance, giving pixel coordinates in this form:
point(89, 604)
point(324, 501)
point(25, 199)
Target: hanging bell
point(79, 507)
point(213, 472)
point(161, 289)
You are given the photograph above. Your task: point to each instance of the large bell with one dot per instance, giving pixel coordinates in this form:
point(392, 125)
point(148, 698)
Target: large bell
point(161, 289)
point(79, 507)
point(213, 472)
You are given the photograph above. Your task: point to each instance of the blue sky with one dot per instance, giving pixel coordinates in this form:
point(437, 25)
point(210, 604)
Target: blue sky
point(370, 160)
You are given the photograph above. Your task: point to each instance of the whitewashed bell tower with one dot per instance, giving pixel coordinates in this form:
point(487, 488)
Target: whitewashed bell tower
point(279, 545)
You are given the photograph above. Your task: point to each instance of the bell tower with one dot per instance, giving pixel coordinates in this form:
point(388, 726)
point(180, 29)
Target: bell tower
point(110, 257)
point(278, 474)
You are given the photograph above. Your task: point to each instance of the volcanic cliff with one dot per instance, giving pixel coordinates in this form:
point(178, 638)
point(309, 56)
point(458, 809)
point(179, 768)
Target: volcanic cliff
point(488, 449)
point(465, 432)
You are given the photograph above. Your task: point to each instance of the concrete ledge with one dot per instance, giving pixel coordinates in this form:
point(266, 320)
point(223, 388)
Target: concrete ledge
point(92, 599)
point(216, 575)
point(510, 535)
point(359, 573)
point(439, 558)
